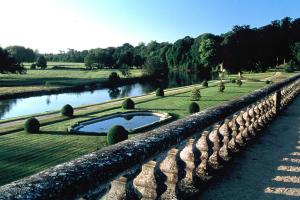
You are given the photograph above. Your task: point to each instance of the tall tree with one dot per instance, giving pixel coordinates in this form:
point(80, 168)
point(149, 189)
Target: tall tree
point(8, 64)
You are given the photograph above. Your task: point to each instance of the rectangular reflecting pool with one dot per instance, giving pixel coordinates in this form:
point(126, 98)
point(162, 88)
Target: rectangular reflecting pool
point(130, 121)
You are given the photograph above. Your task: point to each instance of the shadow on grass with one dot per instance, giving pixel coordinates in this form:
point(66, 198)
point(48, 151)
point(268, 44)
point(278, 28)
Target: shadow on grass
point(67, 133)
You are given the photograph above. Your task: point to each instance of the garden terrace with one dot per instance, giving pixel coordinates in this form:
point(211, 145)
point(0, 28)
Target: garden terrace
point(169, 162)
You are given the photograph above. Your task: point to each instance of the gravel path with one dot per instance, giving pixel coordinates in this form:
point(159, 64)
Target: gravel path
point(266, 170)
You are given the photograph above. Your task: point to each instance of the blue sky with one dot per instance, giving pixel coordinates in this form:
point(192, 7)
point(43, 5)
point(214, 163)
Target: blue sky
point(84, 24)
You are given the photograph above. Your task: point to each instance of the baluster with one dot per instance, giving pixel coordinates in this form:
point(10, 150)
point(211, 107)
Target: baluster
point(260, 116)
point(256, 124)
point(214, 159)
point(118, 189)
point(232, 145)
point(169, 167)
point(251, 128)
point(202, 171)
point(187, 156)
point(246, 118)
point(145, 182)
point(225, 132)
point(241, 137)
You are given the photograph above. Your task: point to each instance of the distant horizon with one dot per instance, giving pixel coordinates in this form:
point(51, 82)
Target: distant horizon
point(52, 25)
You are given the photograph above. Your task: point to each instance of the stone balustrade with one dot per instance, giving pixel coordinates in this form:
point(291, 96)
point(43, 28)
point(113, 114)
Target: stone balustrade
point(174, 161)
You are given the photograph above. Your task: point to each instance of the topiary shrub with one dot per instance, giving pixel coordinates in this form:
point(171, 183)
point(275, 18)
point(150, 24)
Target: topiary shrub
point(160, 92)
point(32, 125)
point(116, 134)
point(67, 110)
point(232, 80)
point(114, 77)
point(205, 83)
point(194, 107)
point(268, 82)
point(221, 86)
point(128, 104)
point(288, 68)
point(239, 82)
point(195, 94)
point(33, 66)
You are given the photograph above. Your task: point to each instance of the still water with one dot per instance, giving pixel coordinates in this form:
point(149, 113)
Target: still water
point(38, 104)
point(129, 122)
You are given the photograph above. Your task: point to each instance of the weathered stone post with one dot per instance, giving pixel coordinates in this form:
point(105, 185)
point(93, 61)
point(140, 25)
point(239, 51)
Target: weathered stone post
point(187, 184)
point(232, 145)
point(145, 182)
point(241, 137)
point(225, 132)
point(277, 101)
point(118, 189)
point(169, 168)
point(214, 159)
point(202, 171)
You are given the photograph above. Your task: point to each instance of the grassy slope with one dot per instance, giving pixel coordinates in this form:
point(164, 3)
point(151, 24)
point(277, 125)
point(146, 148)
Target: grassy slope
point(23, 154)
point(70, 74)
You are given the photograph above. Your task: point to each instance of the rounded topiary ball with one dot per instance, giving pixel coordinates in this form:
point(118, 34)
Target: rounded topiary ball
point(221, 87)
point(232, 80)
point(128, 104)
point(160, 92)
point(205, 83)
point(116, 134)
point(239, 82)
point(67, 111)
point(194, 107)
point(268, 81)
point(32, 125)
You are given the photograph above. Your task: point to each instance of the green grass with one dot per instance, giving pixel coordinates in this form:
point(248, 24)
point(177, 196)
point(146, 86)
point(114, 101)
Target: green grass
point(23, 154)
point(69, 74)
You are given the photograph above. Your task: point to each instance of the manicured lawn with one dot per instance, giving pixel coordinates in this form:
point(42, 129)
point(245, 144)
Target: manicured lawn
point(23, 154)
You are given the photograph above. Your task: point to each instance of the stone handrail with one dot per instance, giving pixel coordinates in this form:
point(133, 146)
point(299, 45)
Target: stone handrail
point(171, 162)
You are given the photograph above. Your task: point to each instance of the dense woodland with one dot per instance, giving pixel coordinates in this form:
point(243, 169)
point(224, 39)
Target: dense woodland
point(242, 48)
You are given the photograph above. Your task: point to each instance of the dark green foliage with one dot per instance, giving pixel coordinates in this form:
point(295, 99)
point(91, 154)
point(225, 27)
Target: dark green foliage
point(268, 81)
point(194, 107)
point(116, 134)
point(195, 94)
point(41, 62)
point(21, 54)
point(114, 77)
point(8, 64)
point(233, 80)
point(205, 83)
point(128, 104)
point(67, 110)
point(155, 67)
point(221, 86)
point(33, 66)
point(288, 68)
point(160, 92)
point(239, 82)
point(32, 125)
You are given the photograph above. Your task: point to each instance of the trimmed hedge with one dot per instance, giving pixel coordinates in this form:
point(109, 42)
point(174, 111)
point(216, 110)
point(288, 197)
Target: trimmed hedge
point(268, 81)
point(239, 82)
point(32, 125)
point(205, 83)
point(116, 134)
point(160, 92)
point(221, 86)
point(195, 94)
point(67, 110)
point(128, 104)
point(194, 107)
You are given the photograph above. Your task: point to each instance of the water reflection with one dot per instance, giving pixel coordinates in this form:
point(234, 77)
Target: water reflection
point(38, 104)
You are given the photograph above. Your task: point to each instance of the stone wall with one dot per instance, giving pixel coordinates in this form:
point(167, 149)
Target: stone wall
point(170, 162)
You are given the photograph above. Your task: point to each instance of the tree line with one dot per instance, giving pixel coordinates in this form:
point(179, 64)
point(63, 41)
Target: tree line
point(242, 48)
